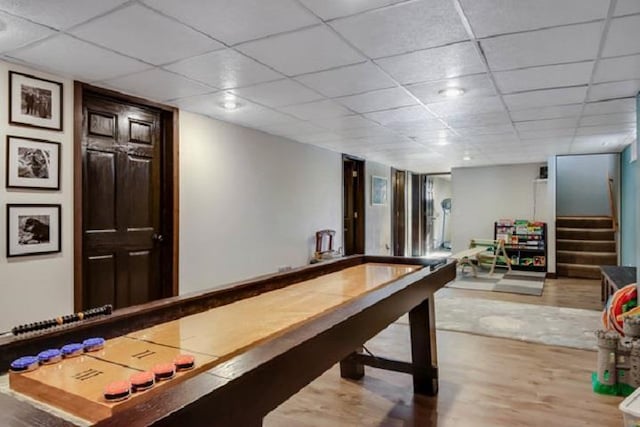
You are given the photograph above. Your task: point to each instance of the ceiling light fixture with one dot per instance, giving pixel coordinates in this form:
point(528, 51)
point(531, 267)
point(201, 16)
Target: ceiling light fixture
point(451, 92)
point(466, 158)
point(230, 105)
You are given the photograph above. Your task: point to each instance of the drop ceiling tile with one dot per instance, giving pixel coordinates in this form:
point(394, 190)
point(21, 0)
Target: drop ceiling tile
point(369, 133)
point(297, 127)
point(344, 122)
point(146, 35)
point(316, 110)
point(317, 138)
point(329, 9)
point(434, 64)
point(278, 93)
point(66, 55)
point(542, 113)
point(490, 17)
point(614, 90)
point(224, 69)
point(544, 98)
point(608, 119)
point(404, 114)
point(546, 133)
point(416, 127)
point(485, 130)
point(239, 20)
point(18, 32)
point(434, 136)
point(348, 80)
point(474, 86)
point(458, 106)
point(470, 120)
point(59, 14)
point(158, 84)
point(601, 143)
point(622, 36)
point(609, 107)
point(382, 99)
point(627, 7)
point(579, 43)
point(549, 76)
point(607, 129)
point(547, 124)
point(403, 28)
point(614, 69)
point(304, 51)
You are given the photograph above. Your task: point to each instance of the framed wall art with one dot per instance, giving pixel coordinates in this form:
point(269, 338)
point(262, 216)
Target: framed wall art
point(32, 163)
point(33, 229)
point(34, 102)
point(378, 190)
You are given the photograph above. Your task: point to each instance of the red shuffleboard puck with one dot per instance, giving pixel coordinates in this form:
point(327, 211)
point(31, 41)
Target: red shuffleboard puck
point(184, 362)
point(118, 390)
point(142, 380)
point(164, 371)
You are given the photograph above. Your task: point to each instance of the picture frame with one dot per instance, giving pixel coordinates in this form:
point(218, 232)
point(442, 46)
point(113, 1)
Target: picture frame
point(35, 102)
point(33, 229)
point(379, 191)
point(32, 163)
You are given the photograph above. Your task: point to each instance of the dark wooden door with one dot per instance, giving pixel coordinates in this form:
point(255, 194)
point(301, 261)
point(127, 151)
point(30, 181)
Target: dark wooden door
point(121, 185)
point(353, 205)
point(399, 212)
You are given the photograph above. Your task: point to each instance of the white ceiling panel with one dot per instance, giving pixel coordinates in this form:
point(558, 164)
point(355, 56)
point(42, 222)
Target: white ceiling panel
point(610, 107)
point(304, 51)
point(614, 69)
point(382, 99)
point(549, 76)
point(628, 128)
point(542, 113)
point(600, 143)
point(59, 14)
point(344, 122)
point(17, 32)
point(278, 93)
point(627, 7)
point(475, 85)
point(146, 35)
point(68, 56)
point(239, 20)
point(614, 90)
point(348, 80)
point(434, 64)
point(579, 43)
point(317, 138)
point(417, 127)
point(317, 110)
point(543, 98)
point(370, 133)
point(403, 28)
point(546, 133)
point(490, 17)
point(398, 115)
point(608, 119)
point(297, 127)
point(224, 69)
point(485, 130)
point(462, 105)
point(329, 9)
point(158, 84)
point(547, 124)
point(471, 120)
point(623, 35)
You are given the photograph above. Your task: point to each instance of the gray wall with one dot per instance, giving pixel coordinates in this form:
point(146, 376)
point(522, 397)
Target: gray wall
point(582, 186)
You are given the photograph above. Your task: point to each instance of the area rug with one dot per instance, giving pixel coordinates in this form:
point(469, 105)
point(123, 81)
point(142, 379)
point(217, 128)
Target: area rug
point(566, 327)
point(517, 282)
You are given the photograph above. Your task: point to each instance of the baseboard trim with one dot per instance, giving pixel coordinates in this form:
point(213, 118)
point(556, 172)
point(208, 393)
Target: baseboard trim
point(551, 276)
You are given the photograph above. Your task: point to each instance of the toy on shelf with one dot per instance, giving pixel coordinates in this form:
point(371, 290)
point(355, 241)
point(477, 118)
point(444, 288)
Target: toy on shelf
point(325, 251)
point(619, 345)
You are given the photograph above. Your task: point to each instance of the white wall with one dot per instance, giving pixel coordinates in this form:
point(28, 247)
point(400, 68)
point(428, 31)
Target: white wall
point(441, 191)
point(37, 287)
point(377, 217)
point(482, 195)
point(250, 202)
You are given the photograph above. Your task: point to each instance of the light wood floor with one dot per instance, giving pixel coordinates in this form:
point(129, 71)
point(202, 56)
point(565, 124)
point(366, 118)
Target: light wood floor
point(483, 381)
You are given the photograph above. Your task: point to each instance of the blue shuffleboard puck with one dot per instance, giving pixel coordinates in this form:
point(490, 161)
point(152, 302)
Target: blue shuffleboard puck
point(49, 357)
point(93, 344)
point(72, 350)
point(25, 364)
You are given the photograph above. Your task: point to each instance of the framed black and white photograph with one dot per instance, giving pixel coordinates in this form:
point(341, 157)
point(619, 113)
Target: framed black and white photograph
point(378, 190)
point(32, 163)
point(34, 102)
point(33, 229)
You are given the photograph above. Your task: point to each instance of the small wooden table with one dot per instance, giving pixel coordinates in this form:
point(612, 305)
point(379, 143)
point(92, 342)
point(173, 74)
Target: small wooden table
point(615, 277)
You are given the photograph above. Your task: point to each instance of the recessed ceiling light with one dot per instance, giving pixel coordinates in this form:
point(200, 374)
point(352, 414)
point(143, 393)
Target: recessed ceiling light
point(466, 158)
point(452, 92)
point(230, 105)
point(442, 142)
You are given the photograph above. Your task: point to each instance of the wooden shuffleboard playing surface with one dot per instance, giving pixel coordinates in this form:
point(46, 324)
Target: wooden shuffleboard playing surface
point(76, 385)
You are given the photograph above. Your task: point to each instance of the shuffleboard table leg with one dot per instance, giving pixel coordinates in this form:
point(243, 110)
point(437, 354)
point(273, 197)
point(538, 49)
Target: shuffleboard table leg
point(350, 368)
point(423, 348)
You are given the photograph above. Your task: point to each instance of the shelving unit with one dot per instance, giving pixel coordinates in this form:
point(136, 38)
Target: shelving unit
point(525, 243)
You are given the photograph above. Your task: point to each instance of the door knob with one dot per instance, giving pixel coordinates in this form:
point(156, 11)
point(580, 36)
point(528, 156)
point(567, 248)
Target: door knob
point(157, 237)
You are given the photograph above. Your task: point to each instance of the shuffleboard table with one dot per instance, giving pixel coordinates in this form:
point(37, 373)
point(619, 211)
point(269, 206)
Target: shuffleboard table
point(255, 344)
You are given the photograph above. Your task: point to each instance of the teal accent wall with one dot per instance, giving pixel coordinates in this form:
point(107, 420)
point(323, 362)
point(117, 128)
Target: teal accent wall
point(628, 208)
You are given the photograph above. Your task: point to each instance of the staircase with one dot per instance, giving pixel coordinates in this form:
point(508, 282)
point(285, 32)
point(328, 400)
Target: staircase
point(583, 244)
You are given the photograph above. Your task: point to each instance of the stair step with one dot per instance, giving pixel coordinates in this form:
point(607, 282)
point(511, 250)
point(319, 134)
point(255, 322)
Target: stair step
point(578, 270)
point(584, 233)
point(584, 221)
point(586, 245)
point(586, 257)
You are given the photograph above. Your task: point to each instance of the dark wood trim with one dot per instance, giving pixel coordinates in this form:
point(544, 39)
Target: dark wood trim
point(29, 125)
point(360, 204)
point(171, 194)
point(7, 160)
point(551, 275)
